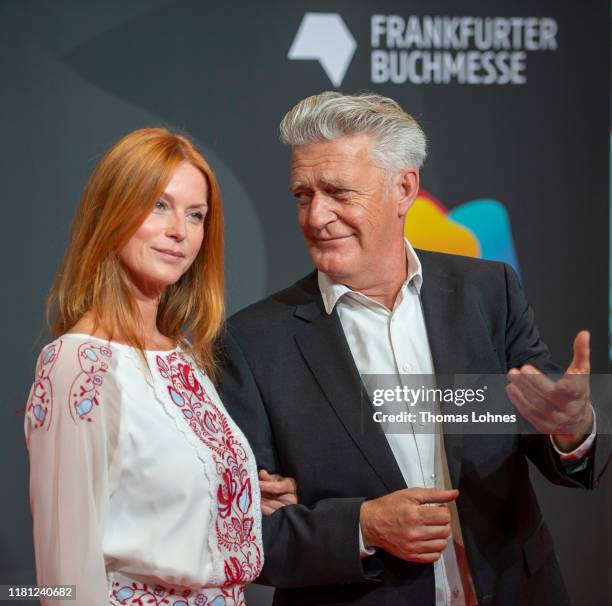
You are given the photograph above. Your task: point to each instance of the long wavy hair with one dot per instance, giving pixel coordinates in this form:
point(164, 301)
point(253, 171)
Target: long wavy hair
point(121, 192)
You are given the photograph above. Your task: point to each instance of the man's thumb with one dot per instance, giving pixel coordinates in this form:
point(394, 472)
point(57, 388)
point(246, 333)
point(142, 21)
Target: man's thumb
point(581, 362)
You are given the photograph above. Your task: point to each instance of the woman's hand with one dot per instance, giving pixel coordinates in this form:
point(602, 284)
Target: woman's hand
point(276, 492)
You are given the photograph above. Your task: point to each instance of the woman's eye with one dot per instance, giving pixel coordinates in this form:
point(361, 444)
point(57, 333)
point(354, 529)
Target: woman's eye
point(160, 205)
point(197, 217)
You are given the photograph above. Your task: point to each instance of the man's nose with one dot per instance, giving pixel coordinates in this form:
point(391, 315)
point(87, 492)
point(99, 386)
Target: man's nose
point(320, 212)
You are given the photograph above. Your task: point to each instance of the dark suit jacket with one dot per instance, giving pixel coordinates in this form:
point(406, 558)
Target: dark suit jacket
point(290, 382)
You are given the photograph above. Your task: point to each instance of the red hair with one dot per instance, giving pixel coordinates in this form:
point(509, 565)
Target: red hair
point(120, 194)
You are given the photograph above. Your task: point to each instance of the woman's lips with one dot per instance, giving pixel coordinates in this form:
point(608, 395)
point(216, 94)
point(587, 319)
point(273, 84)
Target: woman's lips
point(169, 255)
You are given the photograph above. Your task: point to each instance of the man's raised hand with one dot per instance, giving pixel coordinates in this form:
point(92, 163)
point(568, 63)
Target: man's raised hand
point(561, 408)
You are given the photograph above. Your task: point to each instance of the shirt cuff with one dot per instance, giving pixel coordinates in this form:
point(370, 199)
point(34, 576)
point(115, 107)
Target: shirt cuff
point(581, 451)
point(364, 551)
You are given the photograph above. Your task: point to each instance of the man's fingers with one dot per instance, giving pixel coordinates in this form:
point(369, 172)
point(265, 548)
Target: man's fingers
point(571, 387)
point(544, 398)
point(529, 391)
point(425, 558)
point(433, 495)
point(288, 484)
point(276, 487)
point(529, 412)
point(270, 505)
point(529, 377)
point(287, 499)
point(440, 532)
point(581, 362)
point(267, 510)
point(432, 546)
point(264, 474)
point(435, 516)
point(276, 491)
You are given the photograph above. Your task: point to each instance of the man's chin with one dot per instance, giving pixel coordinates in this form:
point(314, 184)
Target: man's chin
point(331, 264)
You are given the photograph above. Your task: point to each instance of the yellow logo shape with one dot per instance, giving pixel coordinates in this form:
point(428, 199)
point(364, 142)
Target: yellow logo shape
point(428, 227)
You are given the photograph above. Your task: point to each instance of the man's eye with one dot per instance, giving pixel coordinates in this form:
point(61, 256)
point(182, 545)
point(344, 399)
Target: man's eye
point(302, 198)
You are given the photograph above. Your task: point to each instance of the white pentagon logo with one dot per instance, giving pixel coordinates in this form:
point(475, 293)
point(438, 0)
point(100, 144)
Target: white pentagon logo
point(325, 38)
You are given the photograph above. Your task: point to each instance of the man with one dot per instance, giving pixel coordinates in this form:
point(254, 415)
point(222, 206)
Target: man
point(364, 531)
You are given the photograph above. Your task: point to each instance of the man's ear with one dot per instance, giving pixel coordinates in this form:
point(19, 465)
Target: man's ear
point(408, 187)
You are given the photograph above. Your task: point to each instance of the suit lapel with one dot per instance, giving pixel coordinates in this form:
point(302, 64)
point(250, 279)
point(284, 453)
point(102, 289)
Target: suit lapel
point(447, 334)
point(322, 342)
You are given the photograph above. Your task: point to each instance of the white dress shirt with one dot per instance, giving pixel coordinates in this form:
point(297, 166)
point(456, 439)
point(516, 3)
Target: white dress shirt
point(395, 342)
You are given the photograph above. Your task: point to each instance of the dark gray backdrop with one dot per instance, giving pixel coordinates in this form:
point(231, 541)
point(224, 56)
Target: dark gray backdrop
point(77, 75)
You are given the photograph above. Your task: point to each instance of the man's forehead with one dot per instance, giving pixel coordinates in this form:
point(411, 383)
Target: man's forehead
point(343, 147)
point(329, 161)
point(322, 174)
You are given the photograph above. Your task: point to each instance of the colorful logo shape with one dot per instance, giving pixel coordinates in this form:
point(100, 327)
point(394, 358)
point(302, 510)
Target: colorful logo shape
point(479, 228)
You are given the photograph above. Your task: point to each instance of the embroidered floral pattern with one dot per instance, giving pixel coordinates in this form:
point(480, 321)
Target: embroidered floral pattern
point(83, 397)
point(141, 594)
point(235, 521)
point(40, 405)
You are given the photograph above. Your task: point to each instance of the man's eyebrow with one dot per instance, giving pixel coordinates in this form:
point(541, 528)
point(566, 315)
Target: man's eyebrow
point(324, 182)
point(293, 185)
point(333, 183)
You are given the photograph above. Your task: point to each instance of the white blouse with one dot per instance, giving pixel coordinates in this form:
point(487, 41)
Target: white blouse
point(143, 490)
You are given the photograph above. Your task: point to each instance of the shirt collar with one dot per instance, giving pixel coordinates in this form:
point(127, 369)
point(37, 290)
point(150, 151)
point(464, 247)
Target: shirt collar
point(331, 291)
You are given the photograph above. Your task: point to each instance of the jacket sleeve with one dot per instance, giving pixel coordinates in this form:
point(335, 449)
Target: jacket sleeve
point(66, 436)
point(524, 345)
point(303, 546)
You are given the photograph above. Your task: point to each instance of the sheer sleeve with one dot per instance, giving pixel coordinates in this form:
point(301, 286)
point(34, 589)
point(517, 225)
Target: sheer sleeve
point(69, 411)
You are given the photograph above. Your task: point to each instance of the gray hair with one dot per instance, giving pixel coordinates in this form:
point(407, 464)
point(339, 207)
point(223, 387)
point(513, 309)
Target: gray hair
point(398, 140)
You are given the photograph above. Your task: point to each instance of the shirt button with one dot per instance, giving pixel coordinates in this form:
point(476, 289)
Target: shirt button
point(456, 593)
point(433, 476)
point(407, 367)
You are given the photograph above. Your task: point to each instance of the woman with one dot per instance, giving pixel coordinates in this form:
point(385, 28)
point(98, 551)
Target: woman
point(143, 490)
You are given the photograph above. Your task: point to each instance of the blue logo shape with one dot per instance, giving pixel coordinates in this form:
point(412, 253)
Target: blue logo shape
point(489, 222)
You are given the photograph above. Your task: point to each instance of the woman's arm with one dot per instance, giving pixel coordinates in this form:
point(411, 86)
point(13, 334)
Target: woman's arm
point(65, 430)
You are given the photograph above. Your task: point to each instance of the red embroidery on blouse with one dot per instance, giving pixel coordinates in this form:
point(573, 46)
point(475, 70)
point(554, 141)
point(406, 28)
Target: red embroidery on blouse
point(235, 521)
point(83, 396)
point(158, 595)
point(40, 406)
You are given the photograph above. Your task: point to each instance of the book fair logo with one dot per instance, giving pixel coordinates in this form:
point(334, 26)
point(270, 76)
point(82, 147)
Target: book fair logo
point(427, 49)
point(461, 50)
point(477, 228)
point(325, 38)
